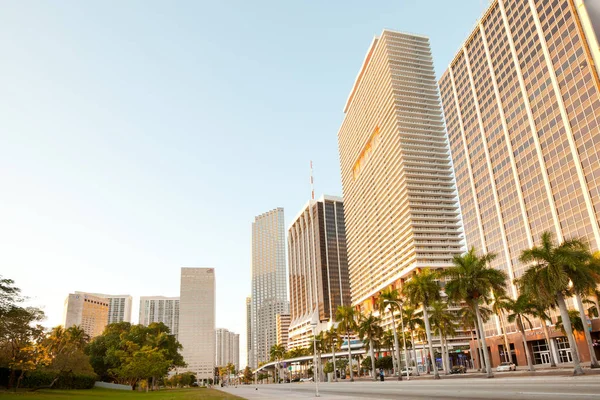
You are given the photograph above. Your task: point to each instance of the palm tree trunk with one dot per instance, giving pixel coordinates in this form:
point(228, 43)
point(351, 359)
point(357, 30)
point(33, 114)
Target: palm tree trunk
point(443, 348)
point(397, 368)
point(414, 350)
point(350, 357)
point(479, 353)
point(486, 355)
point(334, 367)
point(447, 356)
point(436, 374)
point(586, 331)
point(527, 353)
point(372, 354)
point(545, 328)
point(564, 314)
point(507, 353)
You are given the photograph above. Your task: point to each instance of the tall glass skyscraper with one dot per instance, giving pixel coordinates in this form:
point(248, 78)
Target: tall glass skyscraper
point(400, 200)
point(269, 282)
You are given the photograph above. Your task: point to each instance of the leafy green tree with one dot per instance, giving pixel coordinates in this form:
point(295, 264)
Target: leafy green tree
point(370, 332)
point(118, 354)
point(519, 310)
point(555, 268)
point(473, 280)
point(423, 289)
point(20, 333)
point(247, 375)
point(345, 316)
point(386, 363)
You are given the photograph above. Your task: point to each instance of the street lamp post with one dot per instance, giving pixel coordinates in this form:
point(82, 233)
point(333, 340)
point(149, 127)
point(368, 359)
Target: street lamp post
point(315, 375)
point(399, 304)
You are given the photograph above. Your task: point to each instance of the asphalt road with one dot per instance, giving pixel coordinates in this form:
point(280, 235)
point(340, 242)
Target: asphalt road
point(526, 388)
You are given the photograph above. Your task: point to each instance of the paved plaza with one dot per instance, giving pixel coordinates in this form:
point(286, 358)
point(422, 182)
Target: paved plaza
point(501, 387)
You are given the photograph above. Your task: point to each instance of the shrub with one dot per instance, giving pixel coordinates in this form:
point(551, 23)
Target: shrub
point(65, 380)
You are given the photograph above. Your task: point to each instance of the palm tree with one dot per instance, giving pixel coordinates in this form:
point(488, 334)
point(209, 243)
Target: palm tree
point(538, 310)
point(412, 322)
point(387, 341)
point(469, 322)
point(472, 280)
point(499, 305)
point(391, 298)
point(575, 320)
point(346, 318)
point(321, 347)
point(370, 332)
point(554, 268)
point(423, 289)
point(277, 352)
point(332, 339)
point(519, 310)
point(444, 325)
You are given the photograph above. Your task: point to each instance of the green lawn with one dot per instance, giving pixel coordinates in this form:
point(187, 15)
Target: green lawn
point(97, 394)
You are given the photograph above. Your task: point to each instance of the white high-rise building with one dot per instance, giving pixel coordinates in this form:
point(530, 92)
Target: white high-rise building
point(197, 320)
point(160, 309)
point(228, 348)
point(269, 282)
point(400, 201)
point(119, 307)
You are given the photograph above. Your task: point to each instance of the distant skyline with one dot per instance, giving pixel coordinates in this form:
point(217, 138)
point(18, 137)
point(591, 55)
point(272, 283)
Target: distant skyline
point(140, 137)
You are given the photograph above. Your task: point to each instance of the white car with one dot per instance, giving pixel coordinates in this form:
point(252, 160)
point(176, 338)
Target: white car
point(506, 366)
point(411, 371)
point(306, 379)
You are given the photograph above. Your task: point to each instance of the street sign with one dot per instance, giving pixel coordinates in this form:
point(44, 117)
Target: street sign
point(290, 367)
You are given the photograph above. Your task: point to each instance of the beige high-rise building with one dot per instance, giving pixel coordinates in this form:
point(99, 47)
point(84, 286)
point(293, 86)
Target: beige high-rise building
point(283, 326)
point(197, 320)
point(87, 311)
point(269, 282)
point(318, 265)
point(160, 309)
point(522, 106)
point(119, 307)
point(248, 329)
point(400, 201)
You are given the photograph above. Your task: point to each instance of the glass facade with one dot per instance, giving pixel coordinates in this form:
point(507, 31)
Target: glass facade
point(522, 107)
point(318, 263)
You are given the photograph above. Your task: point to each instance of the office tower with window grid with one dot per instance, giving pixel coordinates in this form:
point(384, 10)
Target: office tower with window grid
point(521, 101)
point(318, 265)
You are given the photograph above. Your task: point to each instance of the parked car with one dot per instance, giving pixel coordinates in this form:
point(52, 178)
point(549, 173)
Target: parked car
point(296, 379)
point(306, 379)
point(411, 371)
point(506, 366)
point(458, 369)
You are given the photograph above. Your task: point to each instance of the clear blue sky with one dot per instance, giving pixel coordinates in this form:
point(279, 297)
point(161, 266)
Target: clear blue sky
point(137, 137)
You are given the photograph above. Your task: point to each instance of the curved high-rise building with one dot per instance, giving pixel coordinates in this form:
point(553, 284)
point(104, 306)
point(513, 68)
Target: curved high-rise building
point(400, 200)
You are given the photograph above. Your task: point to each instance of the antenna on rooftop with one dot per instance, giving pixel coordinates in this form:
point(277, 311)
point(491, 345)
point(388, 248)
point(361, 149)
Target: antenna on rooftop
point(312, 182)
